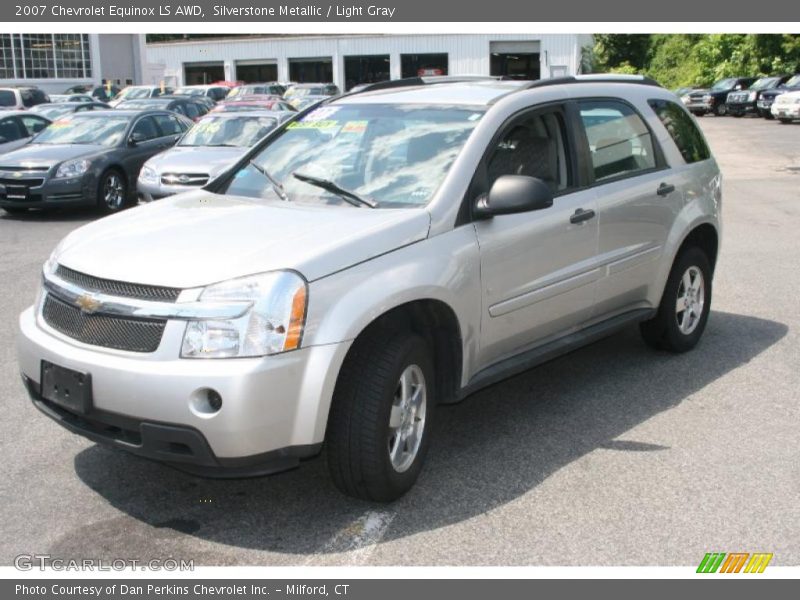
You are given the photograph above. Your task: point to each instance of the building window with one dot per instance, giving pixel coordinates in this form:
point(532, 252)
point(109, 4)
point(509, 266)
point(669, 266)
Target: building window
point(423, 65)
point(45, 56)
point(365, 69)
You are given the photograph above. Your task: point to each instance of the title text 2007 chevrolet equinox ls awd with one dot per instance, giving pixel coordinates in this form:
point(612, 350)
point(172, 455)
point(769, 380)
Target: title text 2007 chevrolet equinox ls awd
point(381, 254)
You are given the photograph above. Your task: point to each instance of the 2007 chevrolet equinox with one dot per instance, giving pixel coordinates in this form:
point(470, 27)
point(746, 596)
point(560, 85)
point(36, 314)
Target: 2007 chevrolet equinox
point(381, 254)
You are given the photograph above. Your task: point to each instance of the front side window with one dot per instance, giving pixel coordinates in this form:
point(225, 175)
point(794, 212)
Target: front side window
point(228, 131)
point(84, 129)
point(394, 156)
point(534, 146)
point(145, 129)
point(682, 129)
point(7, 98)
point(620, 143)
point(33, 125)
point(723, 84)
point(9, 131)
point(168, 125)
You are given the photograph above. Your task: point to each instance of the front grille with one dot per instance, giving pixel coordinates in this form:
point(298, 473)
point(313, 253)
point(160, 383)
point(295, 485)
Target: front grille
point(195, 179)
point(133, 335)
point(18, 168)
point(118, 288)
point(737, 97)
point(38, 181)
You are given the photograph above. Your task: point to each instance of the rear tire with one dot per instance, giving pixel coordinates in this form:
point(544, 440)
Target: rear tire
point(685, 304)
point(721, 110)
point(380, 422)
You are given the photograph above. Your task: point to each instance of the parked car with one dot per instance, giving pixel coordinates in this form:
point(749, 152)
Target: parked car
point(21, 98)
point(311, 89)
point(304, 102)
point(86, 159)
point(61, 109)
point(181, 105)
point(56, 98)
point(250, 103)
point(767, 97)
point(272, 88)
point(101, 93)
point(215, 93)
point(786, 107)
point(139, 92)
point(17, 129)
point(377, 257)
point(713, 100)
point(207, 149)
point(745, 102)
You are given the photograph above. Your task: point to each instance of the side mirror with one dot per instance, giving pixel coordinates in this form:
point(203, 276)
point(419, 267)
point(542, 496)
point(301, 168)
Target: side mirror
point(135, 139)
point(513, 194)
point(3, 140)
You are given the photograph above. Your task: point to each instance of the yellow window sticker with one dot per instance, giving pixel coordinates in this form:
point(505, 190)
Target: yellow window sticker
point(326, 124)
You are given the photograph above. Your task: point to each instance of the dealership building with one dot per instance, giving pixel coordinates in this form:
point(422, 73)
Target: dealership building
point(57, 61)
point(348, 60)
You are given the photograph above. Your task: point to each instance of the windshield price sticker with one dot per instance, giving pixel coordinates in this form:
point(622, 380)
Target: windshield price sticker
point(319, 114)
point(355, 127)
point(328, 124)
point(207, 127)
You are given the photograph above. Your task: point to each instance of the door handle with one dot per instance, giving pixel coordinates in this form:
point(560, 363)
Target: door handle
point(665, 189)
point(581, 215)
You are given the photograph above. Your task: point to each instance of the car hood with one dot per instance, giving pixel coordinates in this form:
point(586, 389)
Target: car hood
point(195, 159)
point(47, 155)
point(198, 238)
point(778, 92)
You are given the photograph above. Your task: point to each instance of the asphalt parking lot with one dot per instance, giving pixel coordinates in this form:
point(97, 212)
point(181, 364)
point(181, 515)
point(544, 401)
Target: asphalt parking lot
point(612, 455)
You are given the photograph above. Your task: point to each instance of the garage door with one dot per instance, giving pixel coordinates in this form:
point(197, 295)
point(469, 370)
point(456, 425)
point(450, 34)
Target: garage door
point(256, 71)
point(203, 73)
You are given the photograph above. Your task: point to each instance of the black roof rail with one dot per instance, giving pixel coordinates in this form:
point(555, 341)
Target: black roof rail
point(430, 80)
point(598, 78)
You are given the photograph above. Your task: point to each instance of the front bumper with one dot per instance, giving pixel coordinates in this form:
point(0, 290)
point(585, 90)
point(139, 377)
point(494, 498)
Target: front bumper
point(40, 191)
point(742, 108)
point(786, 111)
point(698, 107)
point(148, 192)
point(274, 409)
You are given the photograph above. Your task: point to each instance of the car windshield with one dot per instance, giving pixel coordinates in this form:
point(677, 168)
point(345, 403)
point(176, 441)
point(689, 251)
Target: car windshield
point(724, 84)
point(142, 104)
point(393, 155)
point(52, 112)
point(764, 83)
point(130, 93)
point(7, 98)
point(794, 81)
point(89, 130)
point(299, 92)
point(228, 131)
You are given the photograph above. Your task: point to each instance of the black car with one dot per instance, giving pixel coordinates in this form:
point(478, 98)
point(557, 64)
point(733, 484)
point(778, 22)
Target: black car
point(745, 102)
point(87, 159)
point(714, 100)
point(56, 110)
point(767, 97)
point(182, 105)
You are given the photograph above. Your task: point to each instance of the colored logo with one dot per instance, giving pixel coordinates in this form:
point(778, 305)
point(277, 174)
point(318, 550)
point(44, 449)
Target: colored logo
point(734, 562)
point(88, 303)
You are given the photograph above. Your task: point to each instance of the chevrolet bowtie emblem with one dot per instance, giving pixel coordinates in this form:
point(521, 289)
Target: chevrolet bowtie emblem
point(88, 303)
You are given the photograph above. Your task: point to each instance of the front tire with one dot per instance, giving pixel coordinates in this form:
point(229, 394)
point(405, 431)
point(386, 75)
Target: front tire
point(685, 304)
point(112, 192)
point(380, 422)
point(721, 110)
point(14, 210)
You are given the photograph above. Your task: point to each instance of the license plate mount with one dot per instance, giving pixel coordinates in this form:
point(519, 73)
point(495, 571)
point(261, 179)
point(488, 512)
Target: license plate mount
point(69, 389)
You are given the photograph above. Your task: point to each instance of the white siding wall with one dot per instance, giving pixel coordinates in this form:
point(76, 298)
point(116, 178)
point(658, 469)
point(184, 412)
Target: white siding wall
point(468, 53)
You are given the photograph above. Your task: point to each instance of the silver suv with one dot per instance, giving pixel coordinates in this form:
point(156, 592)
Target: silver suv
point(377, 256)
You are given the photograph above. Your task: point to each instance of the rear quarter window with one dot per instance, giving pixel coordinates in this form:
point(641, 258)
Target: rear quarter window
point(682, 129)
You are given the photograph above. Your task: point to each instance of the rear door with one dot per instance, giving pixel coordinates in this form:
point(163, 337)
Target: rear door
point(637, 198)
point(537, 268)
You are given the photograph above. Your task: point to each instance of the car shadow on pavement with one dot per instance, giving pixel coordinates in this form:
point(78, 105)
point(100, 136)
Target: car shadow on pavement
point(489, 450)
point(53, 215)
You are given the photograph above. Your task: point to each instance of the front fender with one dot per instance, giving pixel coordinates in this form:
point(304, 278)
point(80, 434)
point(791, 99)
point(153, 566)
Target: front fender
point(445, 267)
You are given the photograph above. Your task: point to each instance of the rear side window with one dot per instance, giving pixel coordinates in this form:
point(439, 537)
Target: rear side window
point(33, 125)
point(682, 128)
point(191, 111)
point(168, 125)
point(619, 141)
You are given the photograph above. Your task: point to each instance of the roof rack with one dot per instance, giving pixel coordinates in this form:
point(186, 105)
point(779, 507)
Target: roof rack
point(594, 78)
point(429, 80)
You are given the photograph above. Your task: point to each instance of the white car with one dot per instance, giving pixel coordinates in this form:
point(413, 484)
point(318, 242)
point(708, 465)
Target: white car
point(786, 107)
point(138, 92)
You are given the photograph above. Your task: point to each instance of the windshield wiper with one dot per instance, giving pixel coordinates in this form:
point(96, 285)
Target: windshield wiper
point(276, 185)
point(335, 188)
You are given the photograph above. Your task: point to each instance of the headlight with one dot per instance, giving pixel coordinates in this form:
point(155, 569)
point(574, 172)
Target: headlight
point(686, 99)
point(273, 324)
point(72, 168)
point(148, 175)
point(752, 96)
